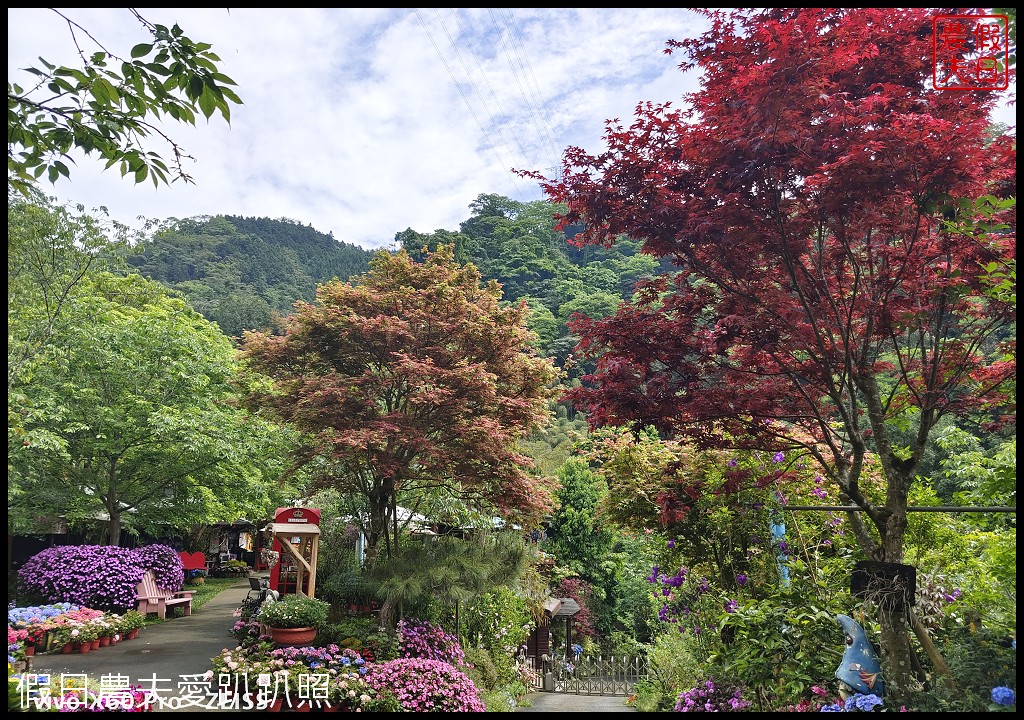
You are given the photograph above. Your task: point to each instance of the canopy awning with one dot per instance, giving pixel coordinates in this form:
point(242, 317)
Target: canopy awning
point(293, 528)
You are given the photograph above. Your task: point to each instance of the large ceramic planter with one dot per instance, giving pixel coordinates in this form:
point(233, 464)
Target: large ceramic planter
point(293, 636)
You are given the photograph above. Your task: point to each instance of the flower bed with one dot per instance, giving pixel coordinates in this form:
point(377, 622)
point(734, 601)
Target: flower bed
point(48, 628)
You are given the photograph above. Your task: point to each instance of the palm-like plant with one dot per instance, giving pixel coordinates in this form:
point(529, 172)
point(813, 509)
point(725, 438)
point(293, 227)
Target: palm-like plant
point(452, 569)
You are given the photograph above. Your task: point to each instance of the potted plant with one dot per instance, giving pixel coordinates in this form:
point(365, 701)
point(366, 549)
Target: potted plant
point(130, 624)
point(82, 635)
point(294, 619)
point(196, 576)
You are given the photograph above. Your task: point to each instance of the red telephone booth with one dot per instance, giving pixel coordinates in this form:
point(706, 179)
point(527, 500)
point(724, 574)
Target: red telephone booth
point(296, 533)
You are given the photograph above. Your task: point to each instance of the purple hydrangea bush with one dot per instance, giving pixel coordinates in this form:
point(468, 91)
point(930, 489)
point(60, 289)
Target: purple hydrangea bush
point(423, 685)
point(98, 576)
point(165, 563)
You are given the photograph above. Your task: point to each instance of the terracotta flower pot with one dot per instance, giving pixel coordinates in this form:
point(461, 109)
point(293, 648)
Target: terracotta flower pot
point(293, 636)
point(30, 650)
point(84, 647)
point(133, 633)
point(67, 649)
point(95, 644)
point(105, 641)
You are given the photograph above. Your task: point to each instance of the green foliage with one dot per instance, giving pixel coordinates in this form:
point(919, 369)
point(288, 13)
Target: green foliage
point(447, 570)
point(107, 107)
point(782, 644)
point(481, 670)
point(577, 538)
point(675, 662)
point(244, 273)
point(979, 660)
point(499, 621)
point(138, 400)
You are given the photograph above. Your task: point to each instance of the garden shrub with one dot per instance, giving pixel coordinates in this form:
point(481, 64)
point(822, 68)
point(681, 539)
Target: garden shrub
point(499, 622)
point(423, 685)
point(98, 576)
point(481, 669)
point(165, 563)
point(419, 639)
point(675, 660)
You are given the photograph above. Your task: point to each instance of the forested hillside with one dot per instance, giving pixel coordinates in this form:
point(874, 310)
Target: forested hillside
point(516, 244)
point(242, 272)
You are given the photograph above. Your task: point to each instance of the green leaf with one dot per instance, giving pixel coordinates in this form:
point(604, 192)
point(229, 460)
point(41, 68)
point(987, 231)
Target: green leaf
point(207, 103)
point(141, 50)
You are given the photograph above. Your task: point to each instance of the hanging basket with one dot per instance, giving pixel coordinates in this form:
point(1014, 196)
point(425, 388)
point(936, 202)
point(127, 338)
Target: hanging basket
point(891, 586)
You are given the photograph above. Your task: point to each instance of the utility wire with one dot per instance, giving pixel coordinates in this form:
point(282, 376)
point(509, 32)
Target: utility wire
point(483, 129)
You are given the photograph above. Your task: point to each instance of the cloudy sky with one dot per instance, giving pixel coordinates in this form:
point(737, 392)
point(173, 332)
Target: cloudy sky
point(365, 122)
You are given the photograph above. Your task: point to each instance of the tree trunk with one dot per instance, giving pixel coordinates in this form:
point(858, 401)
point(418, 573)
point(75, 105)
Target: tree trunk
point(113, 511)
point(114, 529)
point(897, 667)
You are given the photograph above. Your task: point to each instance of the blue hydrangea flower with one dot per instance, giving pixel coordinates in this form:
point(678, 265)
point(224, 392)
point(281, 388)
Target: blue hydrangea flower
point(1003, 695)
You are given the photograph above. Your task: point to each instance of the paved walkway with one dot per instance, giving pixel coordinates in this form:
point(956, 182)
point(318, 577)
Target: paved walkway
point(166, 652)
point(567, 702)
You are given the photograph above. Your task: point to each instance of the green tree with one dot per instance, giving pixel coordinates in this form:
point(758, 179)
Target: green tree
point(50, 250)
point(577, 538)
point(109, 105)
point(410, 381)
point(135, 399)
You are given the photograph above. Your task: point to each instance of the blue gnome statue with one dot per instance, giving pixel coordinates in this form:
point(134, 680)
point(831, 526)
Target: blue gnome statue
point(860, 670)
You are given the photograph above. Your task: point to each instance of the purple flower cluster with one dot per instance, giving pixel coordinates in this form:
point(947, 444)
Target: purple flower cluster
point(421, 639)
point(862, 703)
point(165, 563)
point(423, 685)
point(331, 657)
point(709, 697)
point(98, 576)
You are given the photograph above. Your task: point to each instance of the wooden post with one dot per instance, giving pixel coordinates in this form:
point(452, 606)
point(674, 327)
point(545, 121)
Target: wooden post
point(312, 565)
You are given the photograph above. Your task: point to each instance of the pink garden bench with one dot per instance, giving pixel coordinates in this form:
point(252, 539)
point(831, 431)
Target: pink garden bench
point(155, 599)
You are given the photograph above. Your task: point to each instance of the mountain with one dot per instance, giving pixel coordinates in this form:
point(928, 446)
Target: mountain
point(245, 272)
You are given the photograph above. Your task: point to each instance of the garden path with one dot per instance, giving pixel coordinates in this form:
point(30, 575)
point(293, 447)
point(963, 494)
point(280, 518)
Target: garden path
point(566, 702)
point(168, 651)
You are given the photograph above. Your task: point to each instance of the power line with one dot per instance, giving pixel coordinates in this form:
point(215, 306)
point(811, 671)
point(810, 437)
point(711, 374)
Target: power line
point(546, 132)
point(483, 129)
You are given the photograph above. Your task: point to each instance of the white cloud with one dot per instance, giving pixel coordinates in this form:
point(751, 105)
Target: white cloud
point(364, 122)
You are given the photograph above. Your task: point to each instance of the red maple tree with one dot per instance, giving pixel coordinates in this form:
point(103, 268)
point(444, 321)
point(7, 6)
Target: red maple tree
point(409, 381)
point(822, 293)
